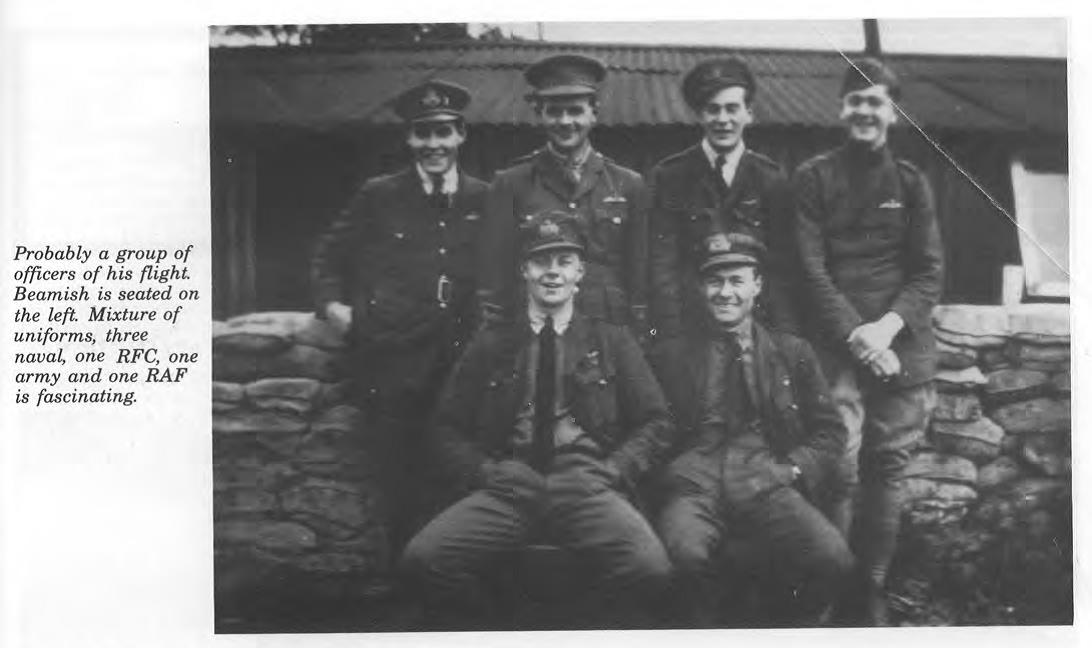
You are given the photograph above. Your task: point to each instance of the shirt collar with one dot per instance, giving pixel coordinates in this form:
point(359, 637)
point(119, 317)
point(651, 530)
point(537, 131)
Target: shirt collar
point(451, 179)
point(731, 158)
point(744, 333)
point(576, 161)
point(562, 318)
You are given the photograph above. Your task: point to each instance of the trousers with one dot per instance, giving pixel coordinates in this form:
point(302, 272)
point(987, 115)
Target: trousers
point(883, 425)
point(450, 560)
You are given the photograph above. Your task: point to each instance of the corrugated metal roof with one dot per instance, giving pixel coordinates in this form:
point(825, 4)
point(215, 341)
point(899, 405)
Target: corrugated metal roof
point(326, 90)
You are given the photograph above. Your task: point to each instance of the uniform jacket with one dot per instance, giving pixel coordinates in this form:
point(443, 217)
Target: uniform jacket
point(385, 254)
point(869, 244)
point(612, 392)
point(686, 206)
point(797, 416)
point(610, 202)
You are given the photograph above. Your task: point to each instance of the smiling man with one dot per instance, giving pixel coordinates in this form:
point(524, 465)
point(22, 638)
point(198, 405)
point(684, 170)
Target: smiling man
point(761, 441)
point(395, 273)
point(607, 201)
point(872, 258)
point(717, 184)
point(544, 429)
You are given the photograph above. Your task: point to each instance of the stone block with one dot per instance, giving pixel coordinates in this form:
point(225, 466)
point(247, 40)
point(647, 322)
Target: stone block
point(1011, 385)
point(1059, 383)
point(1040, 323)
point(341, 419)
point(254, 333)
point(219, 407)
point(1036, 415)
point(266, 534)
point(315, 332)
point(325, 501)
point(300, 361)
point(979, 441)
point(960, 379)
point(993, 359)
point(234, 367)
point(1039, 356)
point(248, 472)
point(258, 421)
point(942, 467)
point(1048, 452)
point(242, 501)
point(943, 493)
point(999, 472)
point(951, 356)
point(931, 512)
point(227, 392)
point(958, 406)
point(297, 395)
point(971, 325)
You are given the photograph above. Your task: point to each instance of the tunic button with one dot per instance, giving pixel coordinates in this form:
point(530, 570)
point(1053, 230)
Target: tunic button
point(443, 250)
point(443, 224)
point(572, 205)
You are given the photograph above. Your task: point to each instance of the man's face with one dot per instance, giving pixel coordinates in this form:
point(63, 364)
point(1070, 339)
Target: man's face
point(435, 145)
point(551, 277)
point(867, 114)
point(568, 121)
point(724, 117)
point(730, 293)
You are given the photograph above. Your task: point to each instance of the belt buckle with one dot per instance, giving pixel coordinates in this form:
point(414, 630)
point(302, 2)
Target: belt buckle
point(443, 291)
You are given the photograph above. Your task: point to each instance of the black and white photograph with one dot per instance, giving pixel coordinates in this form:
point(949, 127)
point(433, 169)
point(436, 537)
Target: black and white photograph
point(640, 325)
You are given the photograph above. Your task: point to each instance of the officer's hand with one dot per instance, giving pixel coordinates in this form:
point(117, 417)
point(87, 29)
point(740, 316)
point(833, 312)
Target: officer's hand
point(873, 338)
point(340, 317)
point(885, 365)
point(513, 479)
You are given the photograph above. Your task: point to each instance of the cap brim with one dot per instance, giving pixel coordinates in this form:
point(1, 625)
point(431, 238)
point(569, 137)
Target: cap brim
point(565, 91)
point(733, 259)
point(550, 247)
point(438, 116)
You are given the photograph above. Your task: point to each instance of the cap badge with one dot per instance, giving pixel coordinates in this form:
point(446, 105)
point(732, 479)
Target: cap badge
point(433, 99)
point(549, 228)
point(720, 243)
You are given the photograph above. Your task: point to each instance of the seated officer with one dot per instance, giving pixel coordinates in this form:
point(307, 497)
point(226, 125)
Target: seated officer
point(761, 437)
point(546, 424)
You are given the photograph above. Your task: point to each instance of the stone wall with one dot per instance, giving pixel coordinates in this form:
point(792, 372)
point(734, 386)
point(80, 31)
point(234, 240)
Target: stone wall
point(295, 493)
point(988, 494)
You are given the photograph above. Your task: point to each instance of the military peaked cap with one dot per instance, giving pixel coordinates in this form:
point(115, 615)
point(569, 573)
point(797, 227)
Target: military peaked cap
point(565, 75)
point(731, 249)
point(551, 230)
point(434, 100)
point(710, 77)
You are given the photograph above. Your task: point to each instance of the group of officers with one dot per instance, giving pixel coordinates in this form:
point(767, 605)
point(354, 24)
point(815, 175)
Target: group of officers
point(643, 370)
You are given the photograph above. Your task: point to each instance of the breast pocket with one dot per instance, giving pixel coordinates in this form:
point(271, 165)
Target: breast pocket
point(595, 400)
point(610, 223)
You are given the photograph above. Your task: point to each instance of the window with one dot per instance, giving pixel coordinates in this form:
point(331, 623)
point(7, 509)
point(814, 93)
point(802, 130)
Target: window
point(1040, 185)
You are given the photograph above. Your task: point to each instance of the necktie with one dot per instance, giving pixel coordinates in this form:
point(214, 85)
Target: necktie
point(542, 446)
point(722, 184)
point(738, 385)
point(439, 199)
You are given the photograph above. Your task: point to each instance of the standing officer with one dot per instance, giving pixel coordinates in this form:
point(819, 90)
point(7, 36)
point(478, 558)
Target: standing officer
point(872, 260)
point(546, 425)
point(395, 272)
point(762, 440)
point(716, 185)
point(607, 200)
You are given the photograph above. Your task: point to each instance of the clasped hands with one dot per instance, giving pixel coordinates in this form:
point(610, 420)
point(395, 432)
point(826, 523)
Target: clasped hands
point(870, 344)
